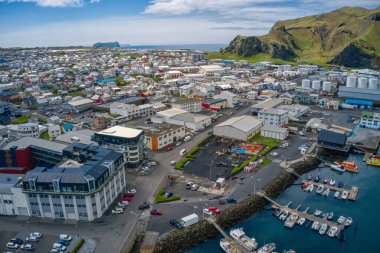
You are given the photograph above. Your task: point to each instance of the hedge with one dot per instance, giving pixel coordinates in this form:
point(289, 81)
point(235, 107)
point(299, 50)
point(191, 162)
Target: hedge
point(181, 163)
point(205, 140)
point(241, 166)
point(77, 246)
point(160, 198)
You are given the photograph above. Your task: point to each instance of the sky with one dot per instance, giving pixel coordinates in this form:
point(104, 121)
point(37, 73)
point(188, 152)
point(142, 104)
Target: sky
point(31, 23)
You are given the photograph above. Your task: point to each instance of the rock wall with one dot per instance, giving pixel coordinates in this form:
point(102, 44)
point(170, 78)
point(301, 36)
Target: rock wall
point(182, 239)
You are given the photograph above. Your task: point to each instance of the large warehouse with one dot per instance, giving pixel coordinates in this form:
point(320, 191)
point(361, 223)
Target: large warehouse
point(275, 132)
point(239, 128)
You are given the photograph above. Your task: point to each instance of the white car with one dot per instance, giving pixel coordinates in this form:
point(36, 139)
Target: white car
point(59, 246)
point(123, 203)
point(206, 211)
point(117, 210)
point(194, 187)
point(301, 133)
point(187, 138)
point(173, 162)
point(152, 163)
point(65, 237)
point(273, 154)
point(133, 191)
point(56, 251)
point(35, 234)
point(27, 247)
point(178, 143)
point(11, 245)
point(32, 239)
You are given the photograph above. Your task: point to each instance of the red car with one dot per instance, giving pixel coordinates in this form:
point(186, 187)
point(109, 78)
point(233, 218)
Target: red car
point(129, 195)
point(155, 212)
point(129, 199)
point(214, 209)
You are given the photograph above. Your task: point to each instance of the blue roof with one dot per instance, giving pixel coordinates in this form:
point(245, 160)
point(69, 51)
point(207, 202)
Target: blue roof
point(68, 126)
point(359, 102)
point(106, 80)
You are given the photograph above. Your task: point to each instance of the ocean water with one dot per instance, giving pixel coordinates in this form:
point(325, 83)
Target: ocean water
point(362, 236)
point(202, 47)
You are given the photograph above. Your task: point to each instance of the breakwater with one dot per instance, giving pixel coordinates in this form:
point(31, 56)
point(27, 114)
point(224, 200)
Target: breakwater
point(186, 238)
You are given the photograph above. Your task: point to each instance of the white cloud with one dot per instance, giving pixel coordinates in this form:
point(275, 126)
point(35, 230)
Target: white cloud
point(53, 3)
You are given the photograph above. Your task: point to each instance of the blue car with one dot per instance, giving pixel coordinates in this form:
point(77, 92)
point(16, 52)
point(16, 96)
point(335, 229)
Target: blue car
point(63, 242)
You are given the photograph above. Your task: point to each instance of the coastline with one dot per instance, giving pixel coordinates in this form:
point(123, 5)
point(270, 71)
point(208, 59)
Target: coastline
point(183, 239)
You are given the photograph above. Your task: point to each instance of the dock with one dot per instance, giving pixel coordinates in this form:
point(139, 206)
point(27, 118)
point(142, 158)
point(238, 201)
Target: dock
point(311, 218)
point(352, 193)
point(366, 157)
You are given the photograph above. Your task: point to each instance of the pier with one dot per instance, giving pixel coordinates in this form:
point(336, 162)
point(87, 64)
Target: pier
point(352, 193)
point(311, 218)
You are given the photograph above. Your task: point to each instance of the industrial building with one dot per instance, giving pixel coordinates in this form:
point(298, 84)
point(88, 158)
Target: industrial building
point(79, 105)
point(365, 87)
point(239, 128)
point(275, 132)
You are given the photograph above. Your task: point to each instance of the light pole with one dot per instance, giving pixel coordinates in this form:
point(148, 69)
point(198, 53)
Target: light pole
point(195, 208)
point(203, 210)
point(254, 184)
point(210, 169)
point(76, 227)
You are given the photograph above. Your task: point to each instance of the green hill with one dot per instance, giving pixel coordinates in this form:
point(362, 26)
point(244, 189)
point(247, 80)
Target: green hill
point(346, 36)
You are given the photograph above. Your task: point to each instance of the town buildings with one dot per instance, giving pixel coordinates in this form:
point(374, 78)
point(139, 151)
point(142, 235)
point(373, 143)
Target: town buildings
point(163, 135)
point(274, 116)
point(240, 128)
point(370, 120)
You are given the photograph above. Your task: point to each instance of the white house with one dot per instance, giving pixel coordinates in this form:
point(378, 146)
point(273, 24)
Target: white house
point(273, 116)
point(189, 105)
point(54, 131)
point(232, 99)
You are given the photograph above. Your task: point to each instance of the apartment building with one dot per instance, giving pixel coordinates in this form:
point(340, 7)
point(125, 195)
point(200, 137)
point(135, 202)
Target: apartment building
point(131, 111)
point(163, 135)
point(370, 120)
point(273, 116)
point(189, 105)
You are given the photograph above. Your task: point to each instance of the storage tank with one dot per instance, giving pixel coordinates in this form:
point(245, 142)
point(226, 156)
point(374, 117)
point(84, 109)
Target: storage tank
point(351, 81)
point(326, 86)
point(305, 83)
point(373, 83)
point(316, 85)
point(362, 82)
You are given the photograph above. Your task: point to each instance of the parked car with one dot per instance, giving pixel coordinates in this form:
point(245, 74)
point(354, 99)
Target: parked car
point(65, 237)
point(194, 187)
point(117, 210)
point(133, 191)
point(173, 163)
point(231, 200)
point(152, 163)
point(169, 148)
point(129, 199)
point(17, 241)
point(12, 245)
point(155, 212)
point(56, 251)
point(188, 185)
point(36, 234)
point(175, 223)
point(274, 154)
point(59, 246)
point(178, 143)
point(64, 242)
point(27, 247)
point(214, 209)
point(123, 204)
point(168, 194)
point(187, 138)
point(143, 206)
point(129, 195)
point(301, 133)
point(206, 211)
point(32, 239)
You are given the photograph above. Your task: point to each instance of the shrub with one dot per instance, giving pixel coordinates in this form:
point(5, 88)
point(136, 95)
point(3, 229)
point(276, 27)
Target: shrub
point(77, 246)
point(160, 198)
point(205, 140)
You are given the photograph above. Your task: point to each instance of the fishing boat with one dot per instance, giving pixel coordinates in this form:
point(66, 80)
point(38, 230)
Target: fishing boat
point(326, 192)
point(344, 195)
point(332, 182)
point(374, 160)
point(348, 166)
point(284, 215)
point(317, 212)
point(316, 179)
point(267, 248)
point(310, 177)
point(348, 221)
point(227, 246)
point(323, 229)
point(332, 231)
point(336, 194)
point(291, 220)
point(320, 189)
point(240, 237)
point(341, 219)
point(337, 168)
point(301, 221)
point(326, 180)
point(330, 216)
point(315, 225)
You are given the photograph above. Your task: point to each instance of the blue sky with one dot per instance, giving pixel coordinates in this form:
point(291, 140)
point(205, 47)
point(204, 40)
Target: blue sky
point(30, 23)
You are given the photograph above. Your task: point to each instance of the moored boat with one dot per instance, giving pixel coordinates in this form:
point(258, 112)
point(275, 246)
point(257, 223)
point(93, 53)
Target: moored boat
point(341, 219)
point(332, 231)
point(310, 188)
point(344, 195)
point(301, 221)
point(240, 237)
point(227, 246)
point(323, 229)
point(326, 192)
point(374, 160)
point(337, 167)
point(267, 248)
point(315, 225)
point(291, 220)
point(317, 212)
point(310, 177)
point(320, 189)
point(332, 182)
point(316, 179)
point(336, 194)
point(326, 180)
point(330, 216)
point(340, 184)
point(348, 166)
point(348, 221)
point(284, 215)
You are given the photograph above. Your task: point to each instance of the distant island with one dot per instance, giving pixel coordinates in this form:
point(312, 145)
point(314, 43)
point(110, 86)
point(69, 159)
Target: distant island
point(106, 44)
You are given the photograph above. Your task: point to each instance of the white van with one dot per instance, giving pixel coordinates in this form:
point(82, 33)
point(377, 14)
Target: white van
point(187, 138)
point(183, 152)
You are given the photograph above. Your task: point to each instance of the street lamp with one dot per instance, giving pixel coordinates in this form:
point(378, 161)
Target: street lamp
point(195, 208)
point(210, 169)
point(203, 210)
point(254, 184)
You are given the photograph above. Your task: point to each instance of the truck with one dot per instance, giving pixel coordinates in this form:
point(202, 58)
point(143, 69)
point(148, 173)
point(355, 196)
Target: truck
point(189, 220)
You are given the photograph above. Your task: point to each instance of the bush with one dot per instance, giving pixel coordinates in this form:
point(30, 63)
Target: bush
point(78, 245)
point(205, 140)
point(181, 163)
point(20, 120)
point(160, 198)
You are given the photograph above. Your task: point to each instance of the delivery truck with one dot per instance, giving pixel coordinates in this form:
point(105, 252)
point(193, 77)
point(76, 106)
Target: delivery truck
point(189, 220)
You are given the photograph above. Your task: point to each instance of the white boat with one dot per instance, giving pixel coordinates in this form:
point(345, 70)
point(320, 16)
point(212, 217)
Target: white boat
point(320, 189)
point(291, 220)
point(267, 248)
point(337, 167)
point(315, 225)
point(323, 229)
point(317, 212)
point(284, 215)
point(341, 219)
point(332, 231)
point(240, 237)
point(344, 195)
point(310, 188)
point(336, 194)
point(301, 221)
point(332, 182)
point(348, 222)
point(326, 192)
point(227, 246)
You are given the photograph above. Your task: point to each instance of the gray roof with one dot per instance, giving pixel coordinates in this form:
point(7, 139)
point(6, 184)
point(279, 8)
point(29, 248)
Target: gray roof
point(31, 141)
point(7, 181)
point(83, 135)
point(273, 128)
point(190, 117)
point(244, 123)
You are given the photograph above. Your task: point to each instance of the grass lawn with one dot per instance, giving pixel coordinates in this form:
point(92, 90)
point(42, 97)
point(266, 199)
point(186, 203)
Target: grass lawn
point(266, 141)
point(46, 136)
point(266, 161)
point(160, 198)
point(20, 120)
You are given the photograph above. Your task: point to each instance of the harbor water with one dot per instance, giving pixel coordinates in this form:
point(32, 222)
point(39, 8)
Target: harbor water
point(362, 236)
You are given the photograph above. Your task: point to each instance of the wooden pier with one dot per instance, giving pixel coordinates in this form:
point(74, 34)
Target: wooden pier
point(352, 193)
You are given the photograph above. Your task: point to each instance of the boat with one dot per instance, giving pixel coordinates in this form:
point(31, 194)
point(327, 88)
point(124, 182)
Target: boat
point(336, 194)
point(348, 221)
point(323, 229)
point(344, 195)
point(330, 216)
point(317, 212)
point(326, 180)
point(324, 214)
point(332, 231)
point(341, 219)
point(317, 178)
point(277, 212)
point(240, 237)
point(284, 215)
point(340, 184)
point(301, 221)
point(348, 166)
point(227, 246)
point(315, 225)
point(304, 185)
point(326, 192)
point(337, 168)
point(310, 177)
point(374, 160)
point(310, 188)
point(291, 220)
point(267, 248)
point(320, 189)
point(332, 182)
